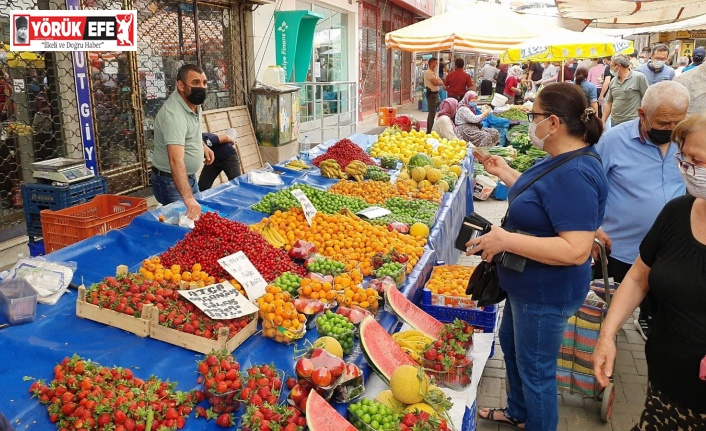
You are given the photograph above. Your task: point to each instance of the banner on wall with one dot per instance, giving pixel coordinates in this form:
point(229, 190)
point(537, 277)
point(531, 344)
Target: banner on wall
point(294, 41)
point(73, 30)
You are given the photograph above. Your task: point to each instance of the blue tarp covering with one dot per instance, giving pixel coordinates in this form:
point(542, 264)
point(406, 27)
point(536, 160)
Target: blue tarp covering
point(34, 348)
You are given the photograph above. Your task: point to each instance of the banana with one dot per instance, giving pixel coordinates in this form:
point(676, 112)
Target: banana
point(412, 354)
point(277, 236)
point(292, 166)
point(271, 236)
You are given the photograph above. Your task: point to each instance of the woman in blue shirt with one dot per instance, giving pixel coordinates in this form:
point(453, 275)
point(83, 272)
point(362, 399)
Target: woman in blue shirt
point(581, 78)
point(557, 216)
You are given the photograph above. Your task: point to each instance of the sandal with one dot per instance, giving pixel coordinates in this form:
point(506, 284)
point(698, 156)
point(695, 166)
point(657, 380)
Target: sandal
point(506, 420)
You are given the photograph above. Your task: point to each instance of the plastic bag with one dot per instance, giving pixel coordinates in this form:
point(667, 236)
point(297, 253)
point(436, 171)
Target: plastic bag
point(264, 176)
point(49, 279)
point(174, 213)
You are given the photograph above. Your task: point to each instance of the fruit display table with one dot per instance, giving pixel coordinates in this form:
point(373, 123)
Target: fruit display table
point(33, 349)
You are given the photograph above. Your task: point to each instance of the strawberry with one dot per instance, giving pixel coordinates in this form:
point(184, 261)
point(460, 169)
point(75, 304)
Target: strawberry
point(431, 354)
point(225, 420)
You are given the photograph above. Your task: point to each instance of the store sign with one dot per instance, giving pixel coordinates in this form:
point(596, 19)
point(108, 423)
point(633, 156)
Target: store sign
point(83, 99)
point(697, 34)
point(220, 301)
point(73, 30)
point(663, 37)
point(239, 267)
point(294, 41)
point(531, 51)
point(686, 49)
point(621, 45)
point(683, 34)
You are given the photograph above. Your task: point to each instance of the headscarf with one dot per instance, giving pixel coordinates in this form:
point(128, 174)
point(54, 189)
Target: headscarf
point(448, 107)
point(468, 98)
point(515, 71)
point(469, 101)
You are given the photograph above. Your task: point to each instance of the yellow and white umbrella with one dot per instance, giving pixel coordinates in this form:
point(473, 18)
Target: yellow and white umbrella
point(483, 27)
point(566, 44)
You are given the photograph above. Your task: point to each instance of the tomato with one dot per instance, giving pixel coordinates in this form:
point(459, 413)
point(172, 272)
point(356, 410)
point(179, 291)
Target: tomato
point(321, 377)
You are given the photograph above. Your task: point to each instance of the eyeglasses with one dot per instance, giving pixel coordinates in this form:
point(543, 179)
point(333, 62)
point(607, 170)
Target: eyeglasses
point(530, 115)
point(688, 167)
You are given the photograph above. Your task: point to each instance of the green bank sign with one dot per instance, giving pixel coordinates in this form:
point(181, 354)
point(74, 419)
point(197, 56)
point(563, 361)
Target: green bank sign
point(294, 41)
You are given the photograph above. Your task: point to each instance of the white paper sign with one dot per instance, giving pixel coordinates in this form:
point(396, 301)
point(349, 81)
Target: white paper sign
point(239, 267)
point(374, 212)
point(220, 301)
point(308, 208)
point(19, 85)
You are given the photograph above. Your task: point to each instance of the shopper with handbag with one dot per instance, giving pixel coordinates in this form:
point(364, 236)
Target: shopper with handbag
point(554, 208)
point(670, 270)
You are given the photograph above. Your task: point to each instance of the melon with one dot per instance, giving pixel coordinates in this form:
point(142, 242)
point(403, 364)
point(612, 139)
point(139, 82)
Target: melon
point(403, 176)
point(422, 407)
point(418, 173)
point(444, 185)
point(381, 351)
point(434, 175)
point(331, 345)
point(423, 183)
point(411, 183)
point(409, 384)
point(438, 161)
point(456, 169)
point(387, 398)
point(419, 159)
point(419, 229)
point(412, 315)
point(321, 416)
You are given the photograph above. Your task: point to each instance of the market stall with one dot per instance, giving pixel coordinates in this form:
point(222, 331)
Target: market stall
point(57, 332)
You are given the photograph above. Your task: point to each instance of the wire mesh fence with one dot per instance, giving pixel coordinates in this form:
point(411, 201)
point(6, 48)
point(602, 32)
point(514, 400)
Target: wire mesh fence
point(38, 92)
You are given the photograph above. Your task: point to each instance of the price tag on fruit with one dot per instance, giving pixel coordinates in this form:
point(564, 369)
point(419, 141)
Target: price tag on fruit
point(220, 301)
point(374, 212)
point(239, 266)
point(308, 208)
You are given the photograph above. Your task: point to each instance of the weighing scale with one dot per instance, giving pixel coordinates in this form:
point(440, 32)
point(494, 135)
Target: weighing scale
point(62, 170)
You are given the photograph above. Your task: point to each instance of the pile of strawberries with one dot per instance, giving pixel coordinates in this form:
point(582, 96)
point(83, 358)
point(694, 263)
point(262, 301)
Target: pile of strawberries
point(423, 421)
point(447, 358)
point(85, 396)
point(129, 293)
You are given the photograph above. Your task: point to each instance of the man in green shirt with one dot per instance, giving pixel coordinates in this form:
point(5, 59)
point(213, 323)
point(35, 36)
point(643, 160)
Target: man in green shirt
point(178, 148)
point(625, 92)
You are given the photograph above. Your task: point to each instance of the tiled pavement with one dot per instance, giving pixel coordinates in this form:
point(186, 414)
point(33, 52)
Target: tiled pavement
point(575, 412)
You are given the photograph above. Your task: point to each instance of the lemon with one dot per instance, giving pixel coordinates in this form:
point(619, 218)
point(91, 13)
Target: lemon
point(419, 229)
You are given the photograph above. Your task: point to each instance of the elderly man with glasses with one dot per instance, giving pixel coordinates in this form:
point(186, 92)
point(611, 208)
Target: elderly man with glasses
point(638, 158)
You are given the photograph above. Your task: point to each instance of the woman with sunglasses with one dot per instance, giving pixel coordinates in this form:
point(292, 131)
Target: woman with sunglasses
point(671, 270)
point(556, 205)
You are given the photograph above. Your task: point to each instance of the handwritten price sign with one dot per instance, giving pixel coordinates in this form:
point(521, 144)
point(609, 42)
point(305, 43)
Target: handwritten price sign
point(220, 301)
point(239, 267)
point(308, 208)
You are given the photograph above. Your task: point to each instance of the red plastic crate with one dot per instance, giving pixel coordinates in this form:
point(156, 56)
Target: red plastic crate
point(104, 213)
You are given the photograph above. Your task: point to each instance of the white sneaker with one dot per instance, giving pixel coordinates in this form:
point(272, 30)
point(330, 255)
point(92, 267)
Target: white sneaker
point(642, 327)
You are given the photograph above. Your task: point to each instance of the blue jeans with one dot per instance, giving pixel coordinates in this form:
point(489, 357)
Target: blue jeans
point(531, 335)
point(166, 192)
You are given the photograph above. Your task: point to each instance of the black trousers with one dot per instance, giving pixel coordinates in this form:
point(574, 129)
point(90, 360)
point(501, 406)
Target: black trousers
point(486, 87)
point(230, 165)
point(432, 101)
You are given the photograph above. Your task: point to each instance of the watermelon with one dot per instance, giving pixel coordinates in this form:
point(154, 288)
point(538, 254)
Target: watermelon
point(412, 315)
point(320, 416)
point(419, 160)
point(381, 351)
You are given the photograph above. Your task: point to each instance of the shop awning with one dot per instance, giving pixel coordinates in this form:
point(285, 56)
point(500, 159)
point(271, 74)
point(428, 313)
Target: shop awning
point(27, 59)
point(628, 14)
point(567, 44)
point(484, 27)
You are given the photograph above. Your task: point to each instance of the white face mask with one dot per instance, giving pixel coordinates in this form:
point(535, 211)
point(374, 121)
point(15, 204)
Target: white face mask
point(657, 64)
point(531, 131)
point(696, 184)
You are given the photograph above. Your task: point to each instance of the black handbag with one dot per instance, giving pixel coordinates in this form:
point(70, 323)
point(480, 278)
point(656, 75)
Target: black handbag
point(484, 285)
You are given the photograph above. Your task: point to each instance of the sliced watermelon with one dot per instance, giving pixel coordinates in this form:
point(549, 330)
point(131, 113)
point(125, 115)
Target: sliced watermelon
point(381, 351)
point(320, 416)
point(411, 314)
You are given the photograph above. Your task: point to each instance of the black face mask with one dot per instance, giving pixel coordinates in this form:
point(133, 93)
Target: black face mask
point(659, 137)
point(197, 95)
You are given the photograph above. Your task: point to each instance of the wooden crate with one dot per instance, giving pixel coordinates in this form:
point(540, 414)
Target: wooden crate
point(137, 325)
point(238, 118)
point(197, 343)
